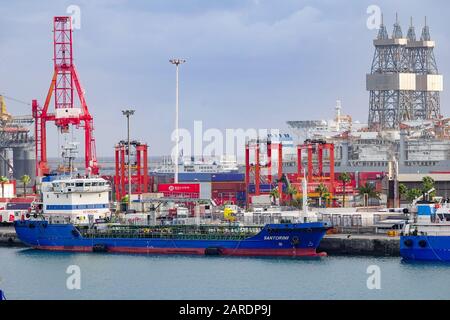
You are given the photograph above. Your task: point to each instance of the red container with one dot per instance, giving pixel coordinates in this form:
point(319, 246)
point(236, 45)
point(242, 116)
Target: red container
point(228, 186)
point(370, 175)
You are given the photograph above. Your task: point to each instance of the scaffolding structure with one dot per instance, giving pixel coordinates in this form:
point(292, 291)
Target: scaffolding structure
point(404, 83)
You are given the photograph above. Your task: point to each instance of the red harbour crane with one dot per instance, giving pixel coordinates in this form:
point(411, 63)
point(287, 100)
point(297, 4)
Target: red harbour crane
point(64, 82)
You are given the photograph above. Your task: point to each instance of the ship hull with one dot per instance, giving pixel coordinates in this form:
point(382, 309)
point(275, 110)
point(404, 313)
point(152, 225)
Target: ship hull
point(300, 240)
point(425, 248)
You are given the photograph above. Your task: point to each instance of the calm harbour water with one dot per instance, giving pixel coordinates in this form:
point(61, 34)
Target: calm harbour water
point(31, 274)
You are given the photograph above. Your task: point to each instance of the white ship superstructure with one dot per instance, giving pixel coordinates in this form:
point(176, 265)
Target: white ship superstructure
point(79, 200)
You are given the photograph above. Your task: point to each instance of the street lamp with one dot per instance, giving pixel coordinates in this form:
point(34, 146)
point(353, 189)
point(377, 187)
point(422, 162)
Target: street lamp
point(128, 113)
point(176, 62)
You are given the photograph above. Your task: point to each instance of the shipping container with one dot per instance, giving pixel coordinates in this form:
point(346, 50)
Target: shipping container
point(229, 186)
point(228, 177)
point(18, 205)
point(205, 190)
point(371, 175)
point(265, 188)
point(240, 196)
point(194, 177)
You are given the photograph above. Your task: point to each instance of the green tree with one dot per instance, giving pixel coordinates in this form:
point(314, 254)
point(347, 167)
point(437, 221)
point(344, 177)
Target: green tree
point(344, 178)
point(124, 203)
point(322, 190)
point(368, 189)
point(25, 179)
point(274, 194)
point(3, 180)
point(427, 184)
point(412, 194)
point(402, 189)
point(291, 191)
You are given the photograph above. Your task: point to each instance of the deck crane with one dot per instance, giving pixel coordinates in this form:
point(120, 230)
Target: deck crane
point(64, 82)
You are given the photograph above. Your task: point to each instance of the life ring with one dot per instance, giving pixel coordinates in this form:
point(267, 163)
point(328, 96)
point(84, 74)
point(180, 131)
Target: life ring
point(422, 243)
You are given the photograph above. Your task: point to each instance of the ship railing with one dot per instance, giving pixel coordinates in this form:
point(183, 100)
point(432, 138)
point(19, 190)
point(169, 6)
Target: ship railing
point(178, 232)
point(262, 219)
point(150, 235)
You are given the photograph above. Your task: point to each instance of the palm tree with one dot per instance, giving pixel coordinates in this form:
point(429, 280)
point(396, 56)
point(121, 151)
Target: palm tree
point(344, 178)
point(368, 189)
point(25, 179)
point(291, 191)
point(274, 194)
point(124, 203)
point(321, 190)
point(3, 180)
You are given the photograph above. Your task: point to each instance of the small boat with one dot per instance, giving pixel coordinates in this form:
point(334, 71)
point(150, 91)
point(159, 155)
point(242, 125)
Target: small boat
point(2, 295)
point(290, 240)
point(427, 238)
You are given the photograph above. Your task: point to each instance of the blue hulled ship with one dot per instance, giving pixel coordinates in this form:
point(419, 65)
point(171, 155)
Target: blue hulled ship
point(428, 237)
point(293, 240)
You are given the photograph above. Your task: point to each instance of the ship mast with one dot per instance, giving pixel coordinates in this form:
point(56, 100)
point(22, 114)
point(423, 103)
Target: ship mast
point(69, 154)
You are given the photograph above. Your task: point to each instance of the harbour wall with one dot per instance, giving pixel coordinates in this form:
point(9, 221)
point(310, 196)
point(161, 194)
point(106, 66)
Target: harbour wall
point(361, 245)
point(8, 238)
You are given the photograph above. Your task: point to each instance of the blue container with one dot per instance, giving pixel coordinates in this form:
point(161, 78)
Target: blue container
point(18, 206)
point(425, 209)
point(265, 188)
point(194, 177)
point(240, 195)
point(228, 177)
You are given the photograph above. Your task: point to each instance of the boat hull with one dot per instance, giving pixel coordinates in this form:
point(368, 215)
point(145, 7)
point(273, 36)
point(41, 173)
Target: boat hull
point(299, 240)
point(425, 248)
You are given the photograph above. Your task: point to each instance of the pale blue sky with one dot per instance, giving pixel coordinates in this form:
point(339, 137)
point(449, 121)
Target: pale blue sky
point(251, 63)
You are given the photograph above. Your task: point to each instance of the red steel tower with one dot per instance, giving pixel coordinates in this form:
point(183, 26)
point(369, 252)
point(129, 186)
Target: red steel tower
point(138, 167)
point(255, 168)
point(317, 175)
point(65, 80)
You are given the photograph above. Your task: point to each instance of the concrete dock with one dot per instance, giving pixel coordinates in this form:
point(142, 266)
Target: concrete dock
point(8, 237)
point(336, 244)
point(361, 245)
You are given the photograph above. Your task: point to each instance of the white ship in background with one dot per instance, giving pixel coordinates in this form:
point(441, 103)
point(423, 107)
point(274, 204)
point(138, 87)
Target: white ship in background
point(421, 146)
point(227, 164)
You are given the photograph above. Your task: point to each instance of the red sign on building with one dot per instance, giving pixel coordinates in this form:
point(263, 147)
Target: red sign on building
point(189, 190)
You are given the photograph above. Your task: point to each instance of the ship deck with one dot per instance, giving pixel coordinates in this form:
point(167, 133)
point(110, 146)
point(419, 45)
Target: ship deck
point(180, 232)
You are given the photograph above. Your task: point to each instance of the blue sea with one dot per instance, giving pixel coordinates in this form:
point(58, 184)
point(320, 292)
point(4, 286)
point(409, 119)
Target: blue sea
point(32, 274)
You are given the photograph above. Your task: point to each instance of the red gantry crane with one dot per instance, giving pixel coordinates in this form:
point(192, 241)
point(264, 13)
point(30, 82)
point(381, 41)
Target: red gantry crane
point(65, 80)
